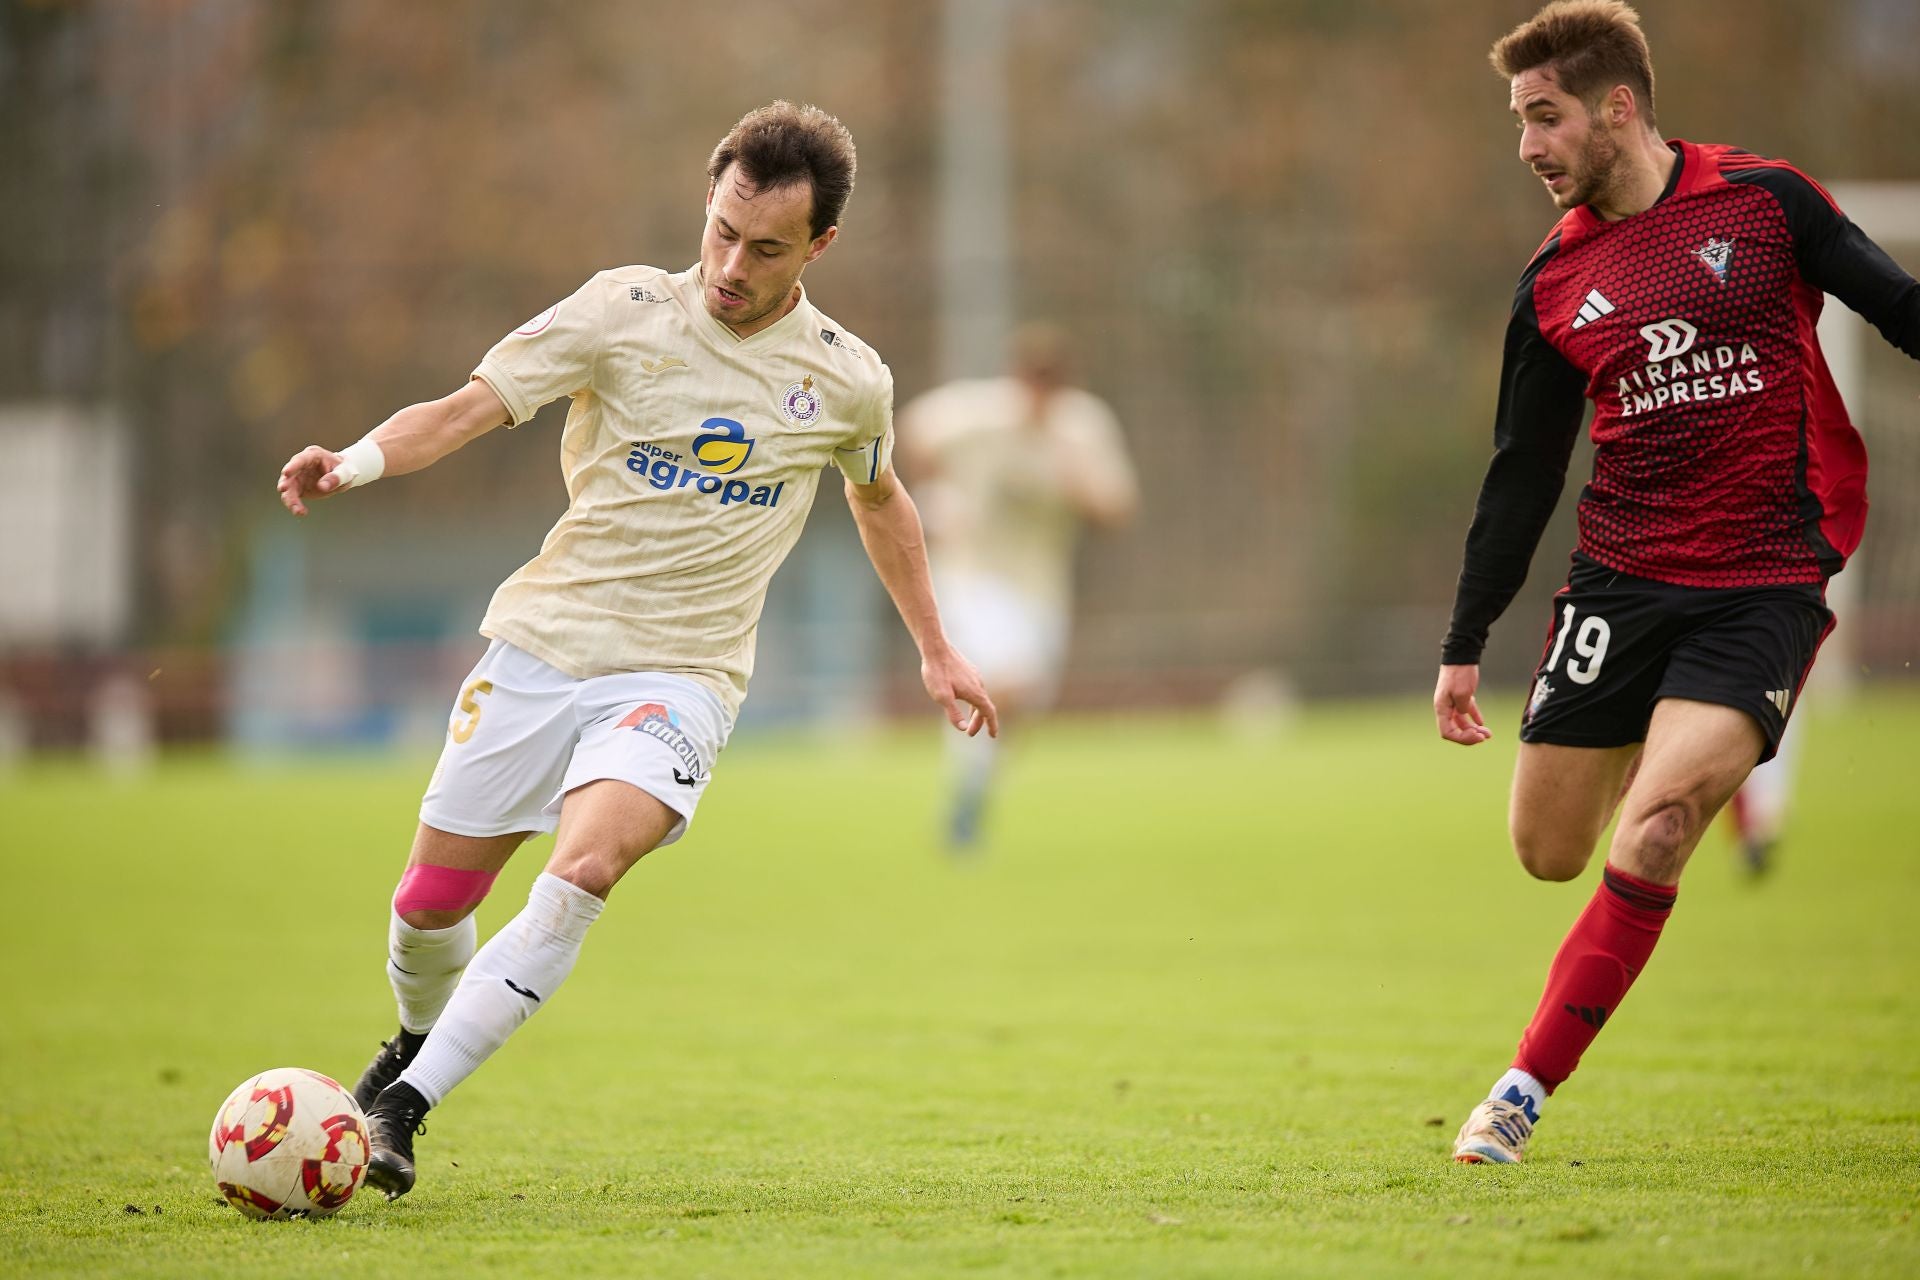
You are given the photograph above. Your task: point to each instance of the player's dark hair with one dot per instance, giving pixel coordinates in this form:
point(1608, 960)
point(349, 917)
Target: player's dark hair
point(1588, 46)
point(780, 144)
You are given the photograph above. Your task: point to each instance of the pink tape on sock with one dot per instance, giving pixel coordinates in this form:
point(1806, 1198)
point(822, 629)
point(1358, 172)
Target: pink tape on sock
point(429, 888)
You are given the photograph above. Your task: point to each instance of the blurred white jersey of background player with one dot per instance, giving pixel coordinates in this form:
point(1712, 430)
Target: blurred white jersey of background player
point(1009, 470)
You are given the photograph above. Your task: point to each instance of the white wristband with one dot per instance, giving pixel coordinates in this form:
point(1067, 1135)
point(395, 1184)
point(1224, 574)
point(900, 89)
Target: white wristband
point(361, 463)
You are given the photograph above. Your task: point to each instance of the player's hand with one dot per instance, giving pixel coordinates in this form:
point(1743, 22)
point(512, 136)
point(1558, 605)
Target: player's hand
point(311, 473)
point(953, 683)
point(1455, 709)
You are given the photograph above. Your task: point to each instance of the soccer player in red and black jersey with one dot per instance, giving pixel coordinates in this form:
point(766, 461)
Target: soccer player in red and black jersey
point(1679, 294)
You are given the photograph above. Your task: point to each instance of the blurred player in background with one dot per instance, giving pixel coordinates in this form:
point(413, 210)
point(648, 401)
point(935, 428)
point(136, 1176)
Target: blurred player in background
point(1680, 292)
point(1759, 807)
point(705, 404)
point(1010, 469)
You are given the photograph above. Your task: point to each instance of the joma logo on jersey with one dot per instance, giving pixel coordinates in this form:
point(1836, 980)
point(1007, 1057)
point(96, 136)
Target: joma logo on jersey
point(718, 453)
point(1677, 373)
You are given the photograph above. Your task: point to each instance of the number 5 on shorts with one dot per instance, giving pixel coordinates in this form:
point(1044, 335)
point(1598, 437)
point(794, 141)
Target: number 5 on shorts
point(1590, 643)
point(470, 707)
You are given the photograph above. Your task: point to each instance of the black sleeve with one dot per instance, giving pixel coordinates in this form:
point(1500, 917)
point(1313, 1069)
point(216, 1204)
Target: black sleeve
point(1836, 257)
point(1541, 403)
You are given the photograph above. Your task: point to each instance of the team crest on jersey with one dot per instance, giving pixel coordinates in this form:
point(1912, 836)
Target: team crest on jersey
point(800, 403)
point(1717, 254)
point(1541, 692)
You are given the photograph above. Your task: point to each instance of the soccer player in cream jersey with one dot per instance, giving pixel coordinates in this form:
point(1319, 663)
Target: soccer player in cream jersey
point(1010, 469)
point(705, 404)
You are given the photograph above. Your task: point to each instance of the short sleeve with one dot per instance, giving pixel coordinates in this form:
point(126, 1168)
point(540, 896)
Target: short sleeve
point(935, 421)
point(869, 451)
point(1102, 449)
point(550, 356)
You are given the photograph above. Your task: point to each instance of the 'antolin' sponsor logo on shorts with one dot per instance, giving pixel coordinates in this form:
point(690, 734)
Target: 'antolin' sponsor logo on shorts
point(662, 724)
point(724, 447)
point(1675, 373)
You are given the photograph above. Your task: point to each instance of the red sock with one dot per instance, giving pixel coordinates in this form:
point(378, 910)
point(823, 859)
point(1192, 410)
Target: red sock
point(1602, 955)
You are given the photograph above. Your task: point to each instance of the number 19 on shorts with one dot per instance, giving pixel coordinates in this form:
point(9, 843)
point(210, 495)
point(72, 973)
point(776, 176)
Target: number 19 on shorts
point(1589, 647)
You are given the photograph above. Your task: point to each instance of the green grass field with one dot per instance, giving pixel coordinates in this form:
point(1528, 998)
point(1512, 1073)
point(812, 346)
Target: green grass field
point(1208, 1008)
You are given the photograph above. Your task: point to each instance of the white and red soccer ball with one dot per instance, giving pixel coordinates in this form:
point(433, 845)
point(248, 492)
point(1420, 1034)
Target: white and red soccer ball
point(289, 1143)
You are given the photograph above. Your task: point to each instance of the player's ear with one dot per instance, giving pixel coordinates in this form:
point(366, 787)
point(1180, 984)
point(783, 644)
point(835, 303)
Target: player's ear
point(820, 242)
point(1620, 106)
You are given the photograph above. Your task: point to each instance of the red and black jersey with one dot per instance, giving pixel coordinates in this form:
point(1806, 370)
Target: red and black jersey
point(1723, 456)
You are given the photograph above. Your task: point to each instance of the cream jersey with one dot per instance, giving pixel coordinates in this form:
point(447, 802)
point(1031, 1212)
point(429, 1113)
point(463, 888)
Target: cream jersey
point(997, 503)
point(691, 458)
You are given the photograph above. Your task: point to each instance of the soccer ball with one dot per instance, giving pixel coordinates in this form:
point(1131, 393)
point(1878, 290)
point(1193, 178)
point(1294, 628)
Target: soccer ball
point(289, 1143)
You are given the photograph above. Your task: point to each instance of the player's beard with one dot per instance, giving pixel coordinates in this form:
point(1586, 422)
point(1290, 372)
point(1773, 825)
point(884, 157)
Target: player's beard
point(749, 314)
point(1594, 178)
point(744, 315)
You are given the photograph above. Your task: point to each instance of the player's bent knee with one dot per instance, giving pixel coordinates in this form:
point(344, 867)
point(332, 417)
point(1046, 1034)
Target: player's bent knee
point(592, 868)
point(431, 897)
point(1545, 860)
point(432, 920)
point(1659, 840)
point(1546, 852)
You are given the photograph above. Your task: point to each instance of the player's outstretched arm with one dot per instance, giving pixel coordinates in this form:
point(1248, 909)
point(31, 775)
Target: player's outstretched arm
point(890, 530)
point(411, 440)
point(1455, 709)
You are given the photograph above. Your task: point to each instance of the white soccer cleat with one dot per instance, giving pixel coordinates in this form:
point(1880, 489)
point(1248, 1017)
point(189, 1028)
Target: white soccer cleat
point(1496, 1132)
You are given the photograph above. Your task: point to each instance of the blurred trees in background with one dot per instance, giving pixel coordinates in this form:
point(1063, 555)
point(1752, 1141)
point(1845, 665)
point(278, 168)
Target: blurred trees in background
point(1285, 232)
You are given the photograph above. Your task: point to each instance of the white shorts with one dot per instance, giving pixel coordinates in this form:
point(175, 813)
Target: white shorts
point(523, 734)
point(1016, 642)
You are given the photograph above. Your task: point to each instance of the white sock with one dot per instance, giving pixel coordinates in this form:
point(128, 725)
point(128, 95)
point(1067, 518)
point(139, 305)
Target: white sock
point(515, 973)
point(1532, 1094)
point(423, 965)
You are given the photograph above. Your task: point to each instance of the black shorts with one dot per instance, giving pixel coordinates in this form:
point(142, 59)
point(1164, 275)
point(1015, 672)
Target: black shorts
point(1618, 644)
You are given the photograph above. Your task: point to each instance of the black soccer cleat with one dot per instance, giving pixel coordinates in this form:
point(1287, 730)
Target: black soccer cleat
point(386, 1066)
point(395, 1116)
